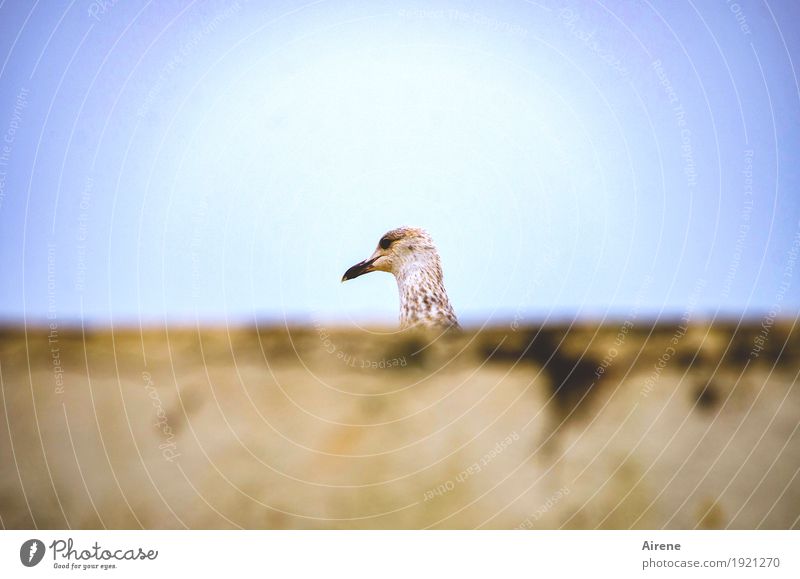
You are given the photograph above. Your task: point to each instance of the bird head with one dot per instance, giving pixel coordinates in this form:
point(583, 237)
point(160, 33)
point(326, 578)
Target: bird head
point(397, 250)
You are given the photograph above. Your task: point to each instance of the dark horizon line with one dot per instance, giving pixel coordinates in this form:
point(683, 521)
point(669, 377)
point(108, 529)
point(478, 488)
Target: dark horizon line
point(467, 322)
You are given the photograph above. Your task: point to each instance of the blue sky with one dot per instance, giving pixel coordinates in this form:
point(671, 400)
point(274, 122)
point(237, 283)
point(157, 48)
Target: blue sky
point(227, 161)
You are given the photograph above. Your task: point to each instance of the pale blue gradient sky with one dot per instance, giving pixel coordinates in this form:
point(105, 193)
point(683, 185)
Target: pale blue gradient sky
point(228, 161)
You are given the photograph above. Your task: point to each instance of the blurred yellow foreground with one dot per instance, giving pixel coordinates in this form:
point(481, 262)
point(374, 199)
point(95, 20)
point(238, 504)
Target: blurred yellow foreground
point(611, 426)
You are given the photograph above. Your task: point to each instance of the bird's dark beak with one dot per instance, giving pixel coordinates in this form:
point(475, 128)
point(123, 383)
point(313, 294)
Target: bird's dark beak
point(359, 269)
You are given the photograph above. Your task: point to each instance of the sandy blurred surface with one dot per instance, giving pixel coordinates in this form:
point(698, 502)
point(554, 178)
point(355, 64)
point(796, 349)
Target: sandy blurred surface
point(609, 426)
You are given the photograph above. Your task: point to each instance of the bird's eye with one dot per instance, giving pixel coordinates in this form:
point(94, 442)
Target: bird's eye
point(385, 243)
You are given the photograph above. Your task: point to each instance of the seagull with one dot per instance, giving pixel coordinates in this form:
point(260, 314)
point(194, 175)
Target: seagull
point(409, 254)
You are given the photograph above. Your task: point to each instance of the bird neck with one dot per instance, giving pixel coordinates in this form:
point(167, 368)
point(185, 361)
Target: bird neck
point(423, 299)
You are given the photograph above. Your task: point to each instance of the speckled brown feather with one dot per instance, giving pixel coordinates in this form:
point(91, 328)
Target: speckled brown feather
point(412, 258)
